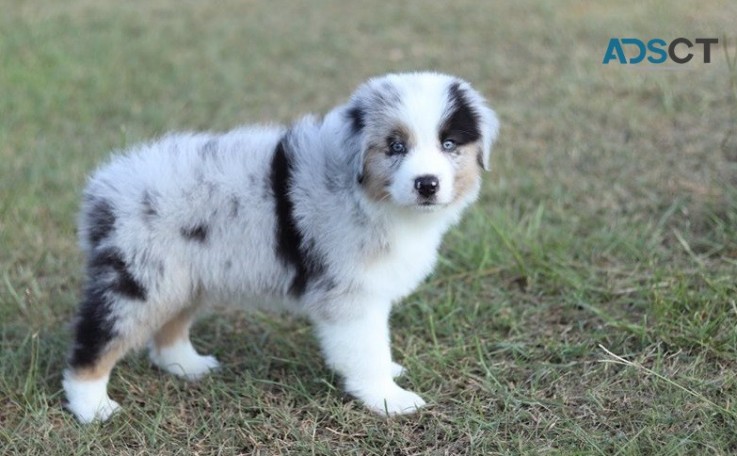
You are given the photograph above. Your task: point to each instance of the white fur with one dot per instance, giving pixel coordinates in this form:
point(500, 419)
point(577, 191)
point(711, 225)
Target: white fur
point(370, 376)
point(88, 399)
point(196, 219)
point(425, 162)
point(183, 360)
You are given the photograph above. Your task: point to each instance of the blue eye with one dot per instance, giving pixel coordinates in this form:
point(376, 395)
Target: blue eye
point(397, 147)
point(449, 145)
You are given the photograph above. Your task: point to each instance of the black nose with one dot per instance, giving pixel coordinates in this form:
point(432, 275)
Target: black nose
point(427, 186)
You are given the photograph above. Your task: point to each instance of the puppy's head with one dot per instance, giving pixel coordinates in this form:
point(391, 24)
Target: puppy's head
point(424, 139)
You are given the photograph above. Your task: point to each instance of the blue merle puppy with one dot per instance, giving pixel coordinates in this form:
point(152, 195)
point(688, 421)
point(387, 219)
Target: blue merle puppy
point(335, 219)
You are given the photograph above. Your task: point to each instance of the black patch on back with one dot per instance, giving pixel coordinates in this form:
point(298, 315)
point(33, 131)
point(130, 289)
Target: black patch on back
point(290, 245)
point(110, 261)
point(197, 233)
point(357, 118)
point(101, 220)
point(462, 125)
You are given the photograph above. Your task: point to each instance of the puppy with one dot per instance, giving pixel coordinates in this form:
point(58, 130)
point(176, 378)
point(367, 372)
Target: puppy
point(335, 219)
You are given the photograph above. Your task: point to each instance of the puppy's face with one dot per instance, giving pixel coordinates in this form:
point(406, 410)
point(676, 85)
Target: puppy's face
point(425, 138)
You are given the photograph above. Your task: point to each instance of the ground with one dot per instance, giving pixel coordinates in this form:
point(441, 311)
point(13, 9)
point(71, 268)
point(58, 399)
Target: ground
point(586, 304)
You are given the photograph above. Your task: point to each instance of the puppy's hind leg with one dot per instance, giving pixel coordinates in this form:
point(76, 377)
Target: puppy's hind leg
point(172, 351)
point(118, 313)
point(98, 345)
point(86, 386)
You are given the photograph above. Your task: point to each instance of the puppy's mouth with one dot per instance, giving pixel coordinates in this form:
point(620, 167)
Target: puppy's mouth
point(428, 206)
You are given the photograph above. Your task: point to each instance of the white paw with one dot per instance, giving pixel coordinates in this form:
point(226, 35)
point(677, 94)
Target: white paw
point(88, 399)
point(397, 370)
point(181, 359)
point(389, 400)
point(87, 413)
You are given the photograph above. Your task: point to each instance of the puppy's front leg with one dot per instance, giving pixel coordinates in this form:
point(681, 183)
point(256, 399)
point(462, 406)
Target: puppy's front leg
point(357, 347)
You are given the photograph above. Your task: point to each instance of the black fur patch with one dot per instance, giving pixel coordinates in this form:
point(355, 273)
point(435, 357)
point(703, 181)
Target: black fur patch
point(378, 100)
point(357, 118)
point(462, 125)
point(290, 245)
point(108, 278)
point(110, 261)
point(197, 233)
point(101, 219)
point(94, 326)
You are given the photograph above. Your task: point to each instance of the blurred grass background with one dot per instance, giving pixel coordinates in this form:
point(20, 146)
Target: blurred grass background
point(608, 222)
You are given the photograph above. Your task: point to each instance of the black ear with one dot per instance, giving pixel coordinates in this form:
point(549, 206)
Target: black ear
point(472, 119)
point(490, 130)
point(357, 117)
point(463, 123)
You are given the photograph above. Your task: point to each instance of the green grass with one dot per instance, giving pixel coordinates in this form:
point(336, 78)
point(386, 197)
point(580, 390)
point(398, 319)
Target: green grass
point(586, 305)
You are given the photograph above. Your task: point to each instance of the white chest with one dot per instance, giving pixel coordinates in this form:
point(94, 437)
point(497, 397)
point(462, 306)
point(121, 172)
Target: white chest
point(409, 258)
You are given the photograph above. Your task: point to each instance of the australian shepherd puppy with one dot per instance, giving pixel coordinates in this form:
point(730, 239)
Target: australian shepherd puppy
point(336, 219)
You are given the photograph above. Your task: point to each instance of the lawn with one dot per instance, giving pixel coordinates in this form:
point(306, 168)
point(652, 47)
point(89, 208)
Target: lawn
point(585, 305)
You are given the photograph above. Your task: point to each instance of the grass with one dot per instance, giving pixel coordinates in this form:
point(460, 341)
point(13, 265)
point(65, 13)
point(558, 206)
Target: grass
point(586, 305)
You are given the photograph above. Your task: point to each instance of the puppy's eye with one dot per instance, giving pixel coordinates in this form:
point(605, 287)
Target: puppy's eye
point(449, 145)
point(397, 147)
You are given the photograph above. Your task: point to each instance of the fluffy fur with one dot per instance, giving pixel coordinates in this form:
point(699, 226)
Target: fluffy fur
point(336, 219)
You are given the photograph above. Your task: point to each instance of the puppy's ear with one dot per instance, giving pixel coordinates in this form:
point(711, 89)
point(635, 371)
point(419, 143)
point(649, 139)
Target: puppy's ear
point(471, 119)
point(487, 122)
point(489, 131)
point(355, 115)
